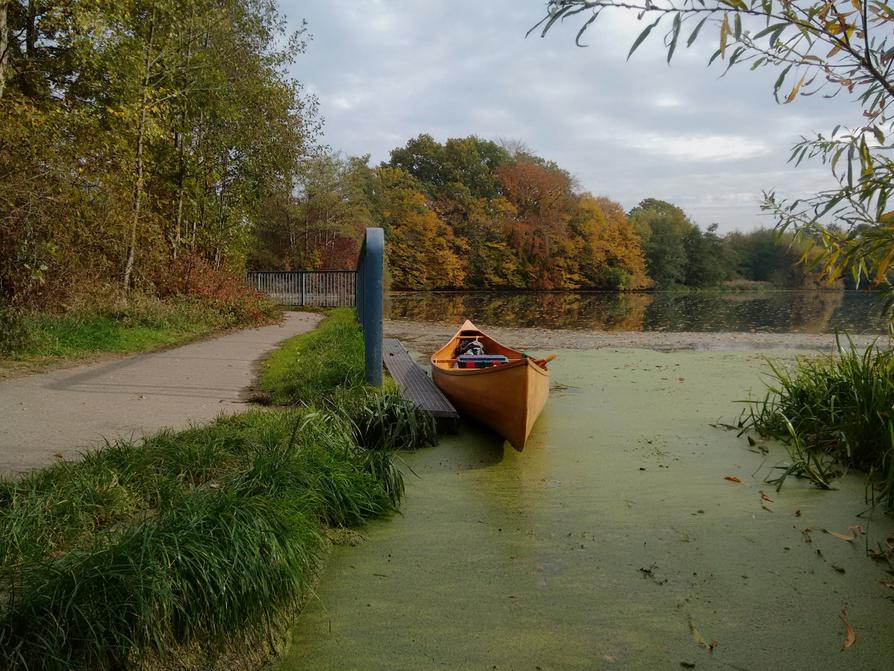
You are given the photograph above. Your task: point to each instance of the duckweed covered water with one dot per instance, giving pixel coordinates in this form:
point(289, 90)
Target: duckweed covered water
point(612, 542)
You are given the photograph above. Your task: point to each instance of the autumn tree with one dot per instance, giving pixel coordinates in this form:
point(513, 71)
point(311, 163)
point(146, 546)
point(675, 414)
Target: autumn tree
point(420, 247)
point(155, 127)
point(818, 47)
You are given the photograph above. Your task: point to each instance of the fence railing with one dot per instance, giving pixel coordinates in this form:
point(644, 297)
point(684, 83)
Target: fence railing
point(319, 288)
point(370, 297)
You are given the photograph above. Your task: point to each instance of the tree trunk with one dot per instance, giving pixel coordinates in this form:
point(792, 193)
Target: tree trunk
point(141, 138)
point(4, 44)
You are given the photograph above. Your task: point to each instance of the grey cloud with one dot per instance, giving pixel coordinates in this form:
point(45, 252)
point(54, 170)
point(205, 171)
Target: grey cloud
point(387, 70)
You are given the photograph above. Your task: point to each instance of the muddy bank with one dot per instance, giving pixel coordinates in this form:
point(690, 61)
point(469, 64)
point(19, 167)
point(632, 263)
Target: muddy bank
point(426, 337)
point(614, 541)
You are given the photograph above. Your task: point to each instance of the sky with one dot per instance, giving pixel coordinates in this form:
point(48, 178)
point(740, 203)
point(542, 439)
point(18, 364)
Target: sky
point(385, 71)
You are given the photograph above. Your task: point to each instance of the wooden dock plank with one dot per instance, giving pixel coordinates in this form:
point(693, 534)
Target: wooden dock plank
point(414, 384)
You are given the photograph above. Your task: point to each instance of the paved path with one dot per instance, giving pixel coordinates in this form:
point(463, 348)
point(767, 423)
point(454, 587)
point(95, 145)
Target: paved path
point(63, 411)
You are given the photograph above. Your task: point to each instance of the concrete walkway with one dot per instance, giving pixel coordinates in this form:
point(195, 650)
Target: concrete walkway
point(63, 411)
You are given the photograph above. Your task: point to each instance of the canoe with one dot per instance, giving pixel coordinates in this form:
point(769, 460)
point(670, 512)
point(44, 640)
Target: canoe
point(507, 397)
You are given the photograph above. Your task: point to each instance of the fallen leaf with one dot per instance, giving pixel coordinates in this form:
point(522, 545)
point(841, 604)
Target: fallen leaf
point(887, 583)
point(857, 529)
point(764, 497)
point(699, 639)
point(732, 478)
point(850, 636)
point(798, 512)
point(849, 539)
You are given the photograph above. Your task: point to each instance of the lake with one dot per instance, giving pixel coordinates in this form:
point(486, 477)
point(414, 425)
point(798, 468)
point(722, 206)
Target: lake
point(856, 312)
point(614, 541)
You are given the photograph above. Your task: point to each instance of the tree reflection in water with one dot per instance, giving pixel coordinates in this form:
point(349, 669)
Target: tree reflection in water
point(766, 311)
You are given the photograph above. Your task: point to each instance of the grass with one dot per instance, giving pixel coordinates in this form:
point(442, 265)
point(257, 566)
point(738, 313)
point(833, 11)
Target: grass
point(311, 367)
point(116, 326)
point(169, 552)
point(208, 534)
point(833, 411)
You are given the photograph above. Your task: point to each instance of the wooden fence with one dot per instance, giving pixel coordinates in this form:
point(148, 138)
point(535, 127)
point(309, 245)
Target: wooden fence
point(320, 288)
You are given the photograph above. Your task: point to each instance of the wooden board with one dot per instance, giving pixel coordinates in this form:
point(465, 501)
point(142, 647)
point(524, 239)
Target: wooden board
point(414, 384)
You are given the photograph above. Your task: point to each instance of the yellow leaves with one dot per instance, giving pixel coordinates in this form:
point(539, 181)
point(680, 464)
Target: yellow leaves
point(724, 34)
point(794, 92)
point(850, 636)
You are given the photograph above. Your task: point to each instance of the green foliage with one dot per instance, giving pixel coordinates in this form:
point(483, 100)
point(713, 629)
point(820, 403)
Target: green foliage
point(310, 367)
point(835, 408)
point(207, 536)
point(160, 129)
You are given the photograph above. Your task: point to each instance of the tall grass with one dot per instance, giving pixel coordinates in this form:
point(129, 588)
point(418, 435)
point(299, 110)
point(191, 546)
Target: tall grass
point(832, 411)
point(113, 324)
point(209, 535)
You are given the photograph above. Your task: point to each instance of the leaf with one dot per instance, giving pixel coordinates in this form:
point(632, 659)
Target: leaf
point(724, 33)
point(887, 583)
point(764, 497)
point(732, 478)
point(699, 639)
point(850, 636)
point(794, 93)
point(695, 32)
point(849, 539)
point(676, 35)
point(642, 36)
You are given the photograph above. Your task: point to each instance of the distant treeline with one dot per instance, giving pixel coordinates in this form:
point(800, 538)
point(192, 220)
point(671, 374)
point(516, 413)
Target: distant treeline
point(474, 214)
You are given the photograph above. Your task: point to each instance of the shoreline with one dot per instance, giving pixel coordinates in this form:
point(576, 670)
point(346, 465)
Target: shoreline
point(426, 337)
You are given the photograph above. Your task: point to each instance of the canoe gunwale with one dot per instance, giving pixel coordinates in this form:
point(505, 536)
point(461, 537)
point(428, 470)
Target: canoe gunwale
point(491, 370)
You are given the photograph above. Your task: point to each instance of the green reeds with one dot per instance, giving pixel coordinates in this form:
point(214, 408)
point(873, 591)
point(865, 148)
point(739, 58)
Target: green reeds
point(204, 537)
point(835, 410)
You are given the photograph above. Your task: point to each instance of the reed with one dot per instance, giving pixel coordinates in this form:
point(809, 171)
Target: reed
point(206, 536)
point(833, 411)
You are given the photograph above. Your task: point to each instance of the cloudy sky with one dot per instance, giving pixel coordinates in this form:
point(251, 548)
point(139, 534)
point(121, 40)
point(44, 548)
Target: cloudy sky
point(385, 71)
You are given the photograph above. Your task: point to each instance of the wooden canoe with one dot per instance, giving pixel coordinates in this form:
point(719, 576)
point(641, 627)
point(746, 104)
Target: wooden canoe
point(507, 397)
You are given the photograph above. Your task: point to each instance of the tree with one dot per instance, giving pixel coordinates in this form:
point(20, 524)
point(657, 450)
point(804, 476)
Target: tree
point(154, 127)
point(820, 47)
point(663, 229)
point(420, 250)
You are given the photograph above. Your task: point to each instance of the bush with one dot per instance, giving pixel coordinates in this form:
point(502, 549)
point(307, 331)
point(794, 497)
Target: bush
point(835, 409)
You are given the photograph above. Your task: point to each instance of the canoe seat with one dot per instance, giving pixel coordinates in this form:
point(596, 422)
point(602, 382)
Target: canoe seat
point(480, 360)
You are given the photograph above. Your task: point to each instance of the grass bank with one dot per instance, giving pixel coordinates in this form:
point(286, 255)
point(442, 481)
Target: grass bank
point(117, 325)
point(311, 367)
point(194, 549)
point(833, 412)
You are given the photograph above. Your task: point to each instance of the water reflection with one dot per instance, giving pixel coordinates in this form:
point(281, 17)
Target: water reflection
point(770, 312)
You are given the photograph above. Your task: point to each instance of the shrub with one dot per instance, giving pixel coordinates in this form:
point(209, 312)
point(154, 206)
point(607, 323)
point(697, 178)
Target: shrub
point(834, 409)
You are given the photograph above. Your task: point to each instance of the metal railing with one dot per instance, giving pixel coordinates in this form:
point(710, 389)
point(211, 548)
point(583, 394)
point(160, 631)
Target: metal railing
point(319, 288)
point(370, 289)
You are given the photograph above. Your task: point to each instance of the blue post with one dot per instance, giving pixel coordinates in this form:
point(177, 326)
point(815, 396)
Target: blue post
point(370, 292)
